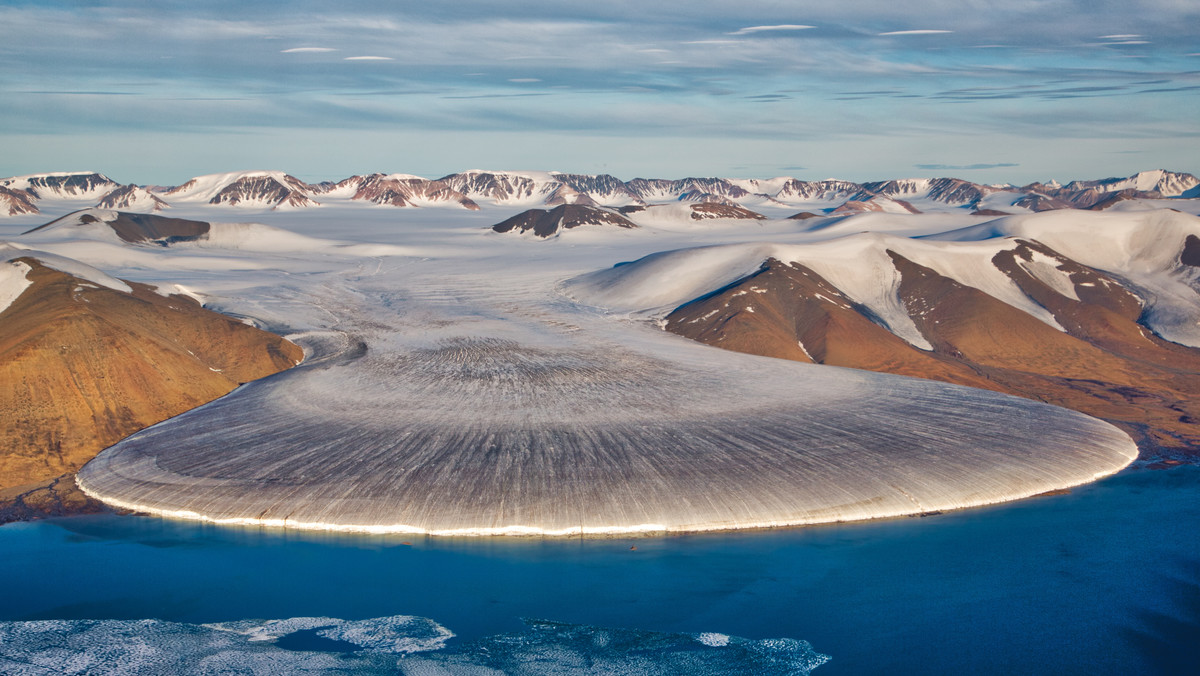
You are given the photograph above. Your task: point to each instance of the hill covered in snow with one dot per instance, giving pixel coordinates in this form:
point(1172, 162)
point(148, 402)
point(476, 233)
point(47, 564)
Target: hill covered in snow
point(508, 190)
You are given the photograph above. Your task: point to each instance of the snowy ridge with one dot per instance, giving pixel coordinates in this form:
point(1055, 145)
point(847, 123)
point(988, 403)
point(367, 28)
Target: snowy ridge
point(507, 189)
point(10, 251)
point(132, 198)
point(273, 189)
point(1144, 249)
point(1166, 183)
point(66, 185)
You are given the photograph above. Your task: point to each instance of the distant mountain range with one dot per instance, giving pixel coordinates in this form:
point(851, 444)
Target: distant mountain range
point(21, 195)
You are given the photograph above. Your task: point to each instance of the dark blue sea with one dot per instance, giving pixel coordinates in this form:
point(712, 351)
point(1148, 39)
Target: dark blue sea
point(1103, 580)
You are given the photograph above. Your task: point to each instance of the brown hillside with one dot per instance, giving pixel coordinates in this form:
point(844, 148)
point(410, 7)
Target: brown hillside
point(85, 366)
point(789, 311)
point(1105, 364)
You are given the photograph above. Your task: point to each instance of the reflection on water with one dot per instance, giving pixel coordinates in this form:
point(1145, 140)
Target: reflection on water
point(1105, 578)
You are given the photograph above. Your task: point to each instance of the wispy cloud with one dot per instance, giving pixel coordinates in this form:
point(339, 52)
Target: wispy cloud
point(703, 69)
point(918, 31)
point(776, 28)
point(964, 167)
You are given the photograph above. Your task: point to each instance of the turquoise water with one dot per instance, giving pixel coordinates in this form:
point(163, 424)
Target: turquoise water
point(1105, 579)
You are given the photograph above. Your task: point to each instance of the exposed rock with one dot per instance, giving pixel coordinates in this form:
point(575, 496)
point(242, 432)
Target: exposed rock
point(16, 202)
point(1109, 199)
point(408, 191)
point(828, 190)
point(501, 187)
point(708, 210)
point(79, 185)
point(877, 203)
point(663, 190)
point(137, 228)
point(55, 497)
point(791, 312)
point(132, 197)
point(1041, 202)
point(948, 190)
point(1165, 183)
point(601, 188)
point(262, 189)
point(266, 188)
point(1191, 251)
point(545, 223)
point(803, 216)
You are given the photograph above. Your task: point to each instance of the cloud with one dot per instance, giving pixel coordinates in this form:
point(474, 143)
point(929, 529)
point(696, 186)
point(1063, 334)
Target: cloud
point(964, 167)
point(727, 78)
point(919, 31)
point(779, 27)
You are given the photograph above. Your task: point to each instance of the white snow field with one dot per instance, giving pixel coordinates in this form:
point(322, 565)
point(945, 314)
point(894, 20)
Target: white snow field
point(459, 381)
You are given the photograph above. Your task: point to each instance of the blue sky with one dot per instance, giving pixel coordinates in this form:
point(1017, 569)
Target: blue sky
point(1020, 90)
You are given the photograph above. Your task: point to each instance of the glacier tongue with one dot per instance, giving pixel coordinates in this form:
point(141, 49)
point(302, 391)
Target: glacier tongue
point(461, 409)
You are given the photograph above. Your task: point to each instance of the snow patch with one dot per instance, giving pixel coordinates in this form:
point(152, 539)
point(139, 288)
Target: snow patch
point(10, 251)
point(13, 282)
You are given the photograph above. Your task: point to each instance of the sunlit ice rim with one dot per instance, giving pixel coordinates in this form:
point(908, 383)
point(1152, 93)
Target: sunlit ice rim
point(575, 531)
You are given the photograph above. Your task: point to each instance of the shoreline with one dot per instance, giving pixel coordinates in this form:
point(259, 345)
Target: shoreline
point(591, 532)
point(53, 498)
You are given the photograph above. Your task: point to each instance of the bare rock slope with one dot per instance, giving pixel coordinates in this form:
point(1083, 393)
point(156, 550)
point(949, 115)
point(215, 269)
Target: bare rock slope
point(1098, 359)
point(86, 365)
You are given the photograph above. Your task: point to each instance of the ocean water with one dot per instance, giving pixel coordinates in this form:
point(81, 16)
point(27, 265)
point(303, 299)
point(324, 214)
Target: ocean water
point(1105, 579)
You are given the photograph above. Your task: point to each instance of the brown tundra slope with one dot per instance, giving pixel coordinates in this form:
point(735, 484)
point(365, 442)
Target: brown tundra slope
point(1104, 364)
point(83, 365)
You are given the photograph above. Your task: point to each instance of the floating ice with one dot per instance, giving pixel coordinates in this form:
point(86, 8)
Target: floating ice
point(111, 647)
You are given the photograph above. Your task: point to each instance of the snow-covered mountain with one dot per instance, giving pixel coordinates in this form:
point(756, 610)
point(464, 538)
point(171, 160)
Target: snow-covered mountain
point(68, 185)
point(866, 201)
point(1165, 183)
point(510, 187)
point(687, 189)
point(947, 190)
point(603, 189)
point(538, 189)
point(132, 198)
point(273, 189)
point(400, 190)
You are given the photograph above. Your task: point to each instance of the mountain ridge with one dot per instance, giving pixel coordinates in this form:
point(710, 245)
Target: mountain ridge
point(473, 189)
